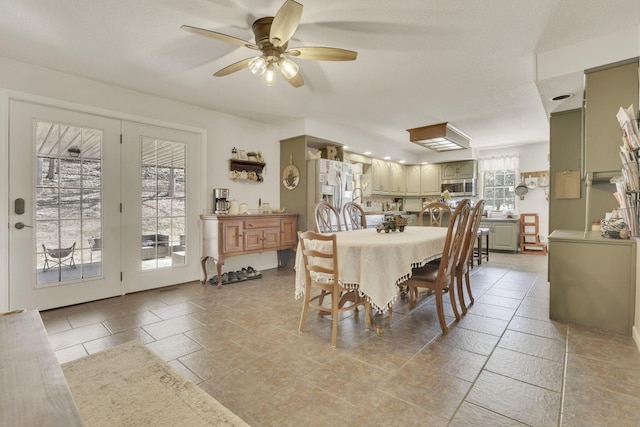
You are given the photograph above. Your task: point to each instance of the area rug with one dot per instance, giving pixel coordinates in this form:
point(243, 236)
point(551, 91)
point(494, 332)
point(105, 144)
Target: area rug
point(129, 385)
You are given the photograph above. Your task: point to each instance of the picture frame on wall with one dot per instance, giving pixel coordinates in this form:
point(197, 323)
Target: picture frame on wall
point(242, 155)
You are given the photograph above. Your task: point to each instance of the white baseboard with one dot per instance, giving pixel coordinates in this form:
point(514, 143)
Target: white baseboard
point(635, 332)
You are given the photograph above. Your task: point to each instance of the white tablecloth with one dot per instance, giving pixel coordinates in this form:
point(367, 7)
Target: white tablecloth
point(376, 263)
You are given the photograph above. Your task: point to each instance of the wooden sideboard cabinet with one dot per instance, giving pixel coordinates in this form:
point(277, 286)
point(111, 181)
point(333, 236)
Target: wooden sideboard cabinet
point(225, 236)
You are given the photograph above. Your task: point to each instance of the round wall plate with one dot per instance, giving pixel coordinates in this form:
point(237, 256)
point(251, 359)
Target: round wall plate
point(290, 177)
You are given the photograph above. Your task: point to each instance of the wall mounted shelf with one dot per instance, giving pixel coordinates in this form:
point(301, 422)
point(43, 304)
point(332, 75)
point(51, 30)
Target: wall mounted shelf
point(246, 170)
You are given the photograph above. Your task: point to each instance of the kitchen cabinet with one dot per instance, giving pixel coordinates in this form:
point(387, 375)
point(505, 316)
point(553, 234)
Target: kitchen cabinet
point(592, 280)
point(458, 170)
point(397, 179)
point(430, 179)
point(606, 90)
point(504, 234)
point(379, 177)
point(412, 180)
point(565, 151)
point(225, 236)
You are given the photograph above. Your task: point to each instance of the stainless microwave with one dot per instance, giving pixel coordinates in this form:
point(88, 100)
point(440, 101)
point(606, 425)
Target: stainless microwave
point(459, 187)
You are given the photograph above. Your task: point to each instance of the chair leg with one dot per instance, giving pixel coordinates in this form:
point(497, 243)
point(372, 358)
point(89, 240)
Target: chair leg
point(459, 284)
point(452, 296)
point(334, 314)
point(440, 310)
point(305, 307)
point(471, 300)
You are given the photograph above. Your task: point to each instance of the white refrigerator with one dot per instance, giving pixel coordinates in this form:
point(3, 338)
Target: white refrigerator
point(330, 181)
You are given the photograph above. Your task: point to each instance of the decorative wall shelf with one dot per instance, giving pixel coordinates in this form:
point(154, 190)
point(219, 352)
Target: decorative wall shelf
point(246, 170)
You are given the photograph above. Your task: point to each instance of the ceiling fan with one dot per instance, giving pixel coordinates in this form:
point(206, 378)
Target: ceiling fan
point(272, 34)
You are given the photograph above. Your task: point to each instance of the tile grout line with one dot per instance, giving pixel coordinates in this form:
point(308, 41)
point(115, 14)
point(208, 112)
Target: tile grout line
point(489, 356)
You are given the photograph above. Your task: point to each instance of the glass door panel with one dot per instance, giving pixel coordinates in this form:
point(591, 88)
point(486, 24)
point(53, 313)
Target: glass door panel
point(68, 192)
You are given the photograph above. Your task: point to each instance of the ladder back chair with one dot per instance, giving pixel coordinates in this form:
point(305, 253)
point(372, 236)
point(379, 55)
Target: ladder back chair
point(321, 272)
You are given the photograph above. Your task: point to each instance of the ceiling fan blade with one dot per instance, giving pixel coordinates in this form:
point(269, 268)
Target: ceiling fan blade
point(285, 23)
point(322, 53)
point(296, 81)
point(237, 66)
point(219, 36)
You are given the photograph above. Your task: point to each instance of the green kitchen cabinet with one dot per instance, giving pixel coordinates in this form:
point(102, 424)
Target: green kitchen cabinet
point(503, 234)
point(430, 179)
point(459, 170)
point(592, 280)
point(607, 89)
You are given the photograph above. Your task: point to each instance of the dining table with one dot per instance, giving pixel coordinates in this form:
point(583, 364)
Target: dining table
point(375, 263)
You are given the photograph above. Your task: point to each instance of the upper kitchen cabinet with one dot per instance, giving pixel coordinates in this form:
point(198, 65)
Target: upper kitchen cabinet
point(397, 179)
point(379, 177)
point(459, 170)
point(429, 179)
point(565, 144)
point(412, 175)
point(607, 89)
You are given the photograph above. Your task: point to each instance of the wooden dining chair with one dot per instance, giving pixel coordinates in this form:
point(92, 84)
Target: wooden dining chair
point(321, 272)
point(441, 276)
point(326, 217)
point(354, 216)
point(436, 211)
point(465, 260)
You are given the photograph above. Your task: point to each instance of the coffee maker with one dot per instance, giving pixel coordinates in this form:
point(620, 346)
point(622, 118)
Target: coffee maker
point(220, 200)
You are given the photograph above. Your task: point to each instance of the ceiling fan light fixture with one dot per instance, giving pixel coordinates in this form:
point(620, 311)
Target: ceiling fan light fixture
point(440, 137)
point(288, 67)
point(258, 65)
point(269, 76)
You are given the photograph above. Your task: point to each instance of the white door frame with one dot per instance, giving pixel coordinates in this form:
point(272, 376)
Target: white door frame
point(7, 95)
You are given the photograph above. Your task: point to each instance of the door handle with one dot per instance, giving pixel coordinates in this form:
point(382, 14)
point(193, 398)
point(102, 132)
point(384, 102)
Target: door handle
point(21, 225)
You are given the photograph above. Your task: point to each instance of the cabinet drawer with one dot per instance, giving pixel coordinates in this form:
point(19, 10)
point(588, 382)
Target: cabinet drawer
point(262, 223)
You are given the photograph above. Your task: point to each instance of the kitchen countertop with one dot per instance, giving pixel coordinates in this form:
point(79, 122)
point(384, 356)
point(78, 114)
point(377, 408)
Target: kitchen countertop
point(588, 236)
point(387, 213)
point(485, 219)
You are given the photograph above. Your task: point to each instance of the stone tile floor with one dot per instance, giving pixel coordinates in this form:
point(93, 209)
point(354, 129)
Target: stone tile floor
point(504, 363)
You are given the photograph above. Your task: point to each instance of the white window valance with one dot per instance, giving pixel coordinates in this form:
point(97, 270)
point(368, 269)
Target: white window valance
point(501, 163)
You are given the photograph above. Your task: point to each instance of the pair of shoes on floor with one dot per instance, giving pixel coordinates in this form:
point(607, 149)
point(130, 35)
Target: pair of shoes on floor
point(236, 276)
point(252, 273)
point(224, 281)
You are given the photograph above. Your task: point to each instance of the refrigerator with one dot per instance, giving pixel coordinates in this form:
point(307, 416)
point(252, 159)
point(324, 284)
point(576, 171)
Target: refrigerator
point(330, 181)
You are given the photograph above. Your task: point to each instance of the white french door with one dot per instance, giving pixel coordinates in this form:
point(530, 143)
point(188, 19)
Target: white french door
point(64, 189)
point(94, 214)
point(160, 187)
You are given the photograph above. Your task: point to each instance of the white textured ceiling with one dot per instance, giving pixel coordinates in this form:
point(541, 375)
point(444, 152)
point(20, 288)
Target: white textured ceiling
point(420, 62)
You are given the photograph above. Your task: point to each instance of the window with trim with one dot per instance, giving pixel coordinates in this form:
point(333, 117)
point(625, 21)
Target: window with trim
point(499, 189)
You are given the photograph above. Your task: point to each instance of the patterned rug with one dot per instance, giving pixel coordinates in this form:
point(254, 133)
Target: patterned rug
point(129, 385)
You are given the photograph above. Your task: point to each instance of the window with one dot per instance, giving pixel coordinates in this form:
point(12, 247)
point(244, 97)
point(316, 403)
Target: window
point(499, 189)
point(68, 202)
point(164, 215)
